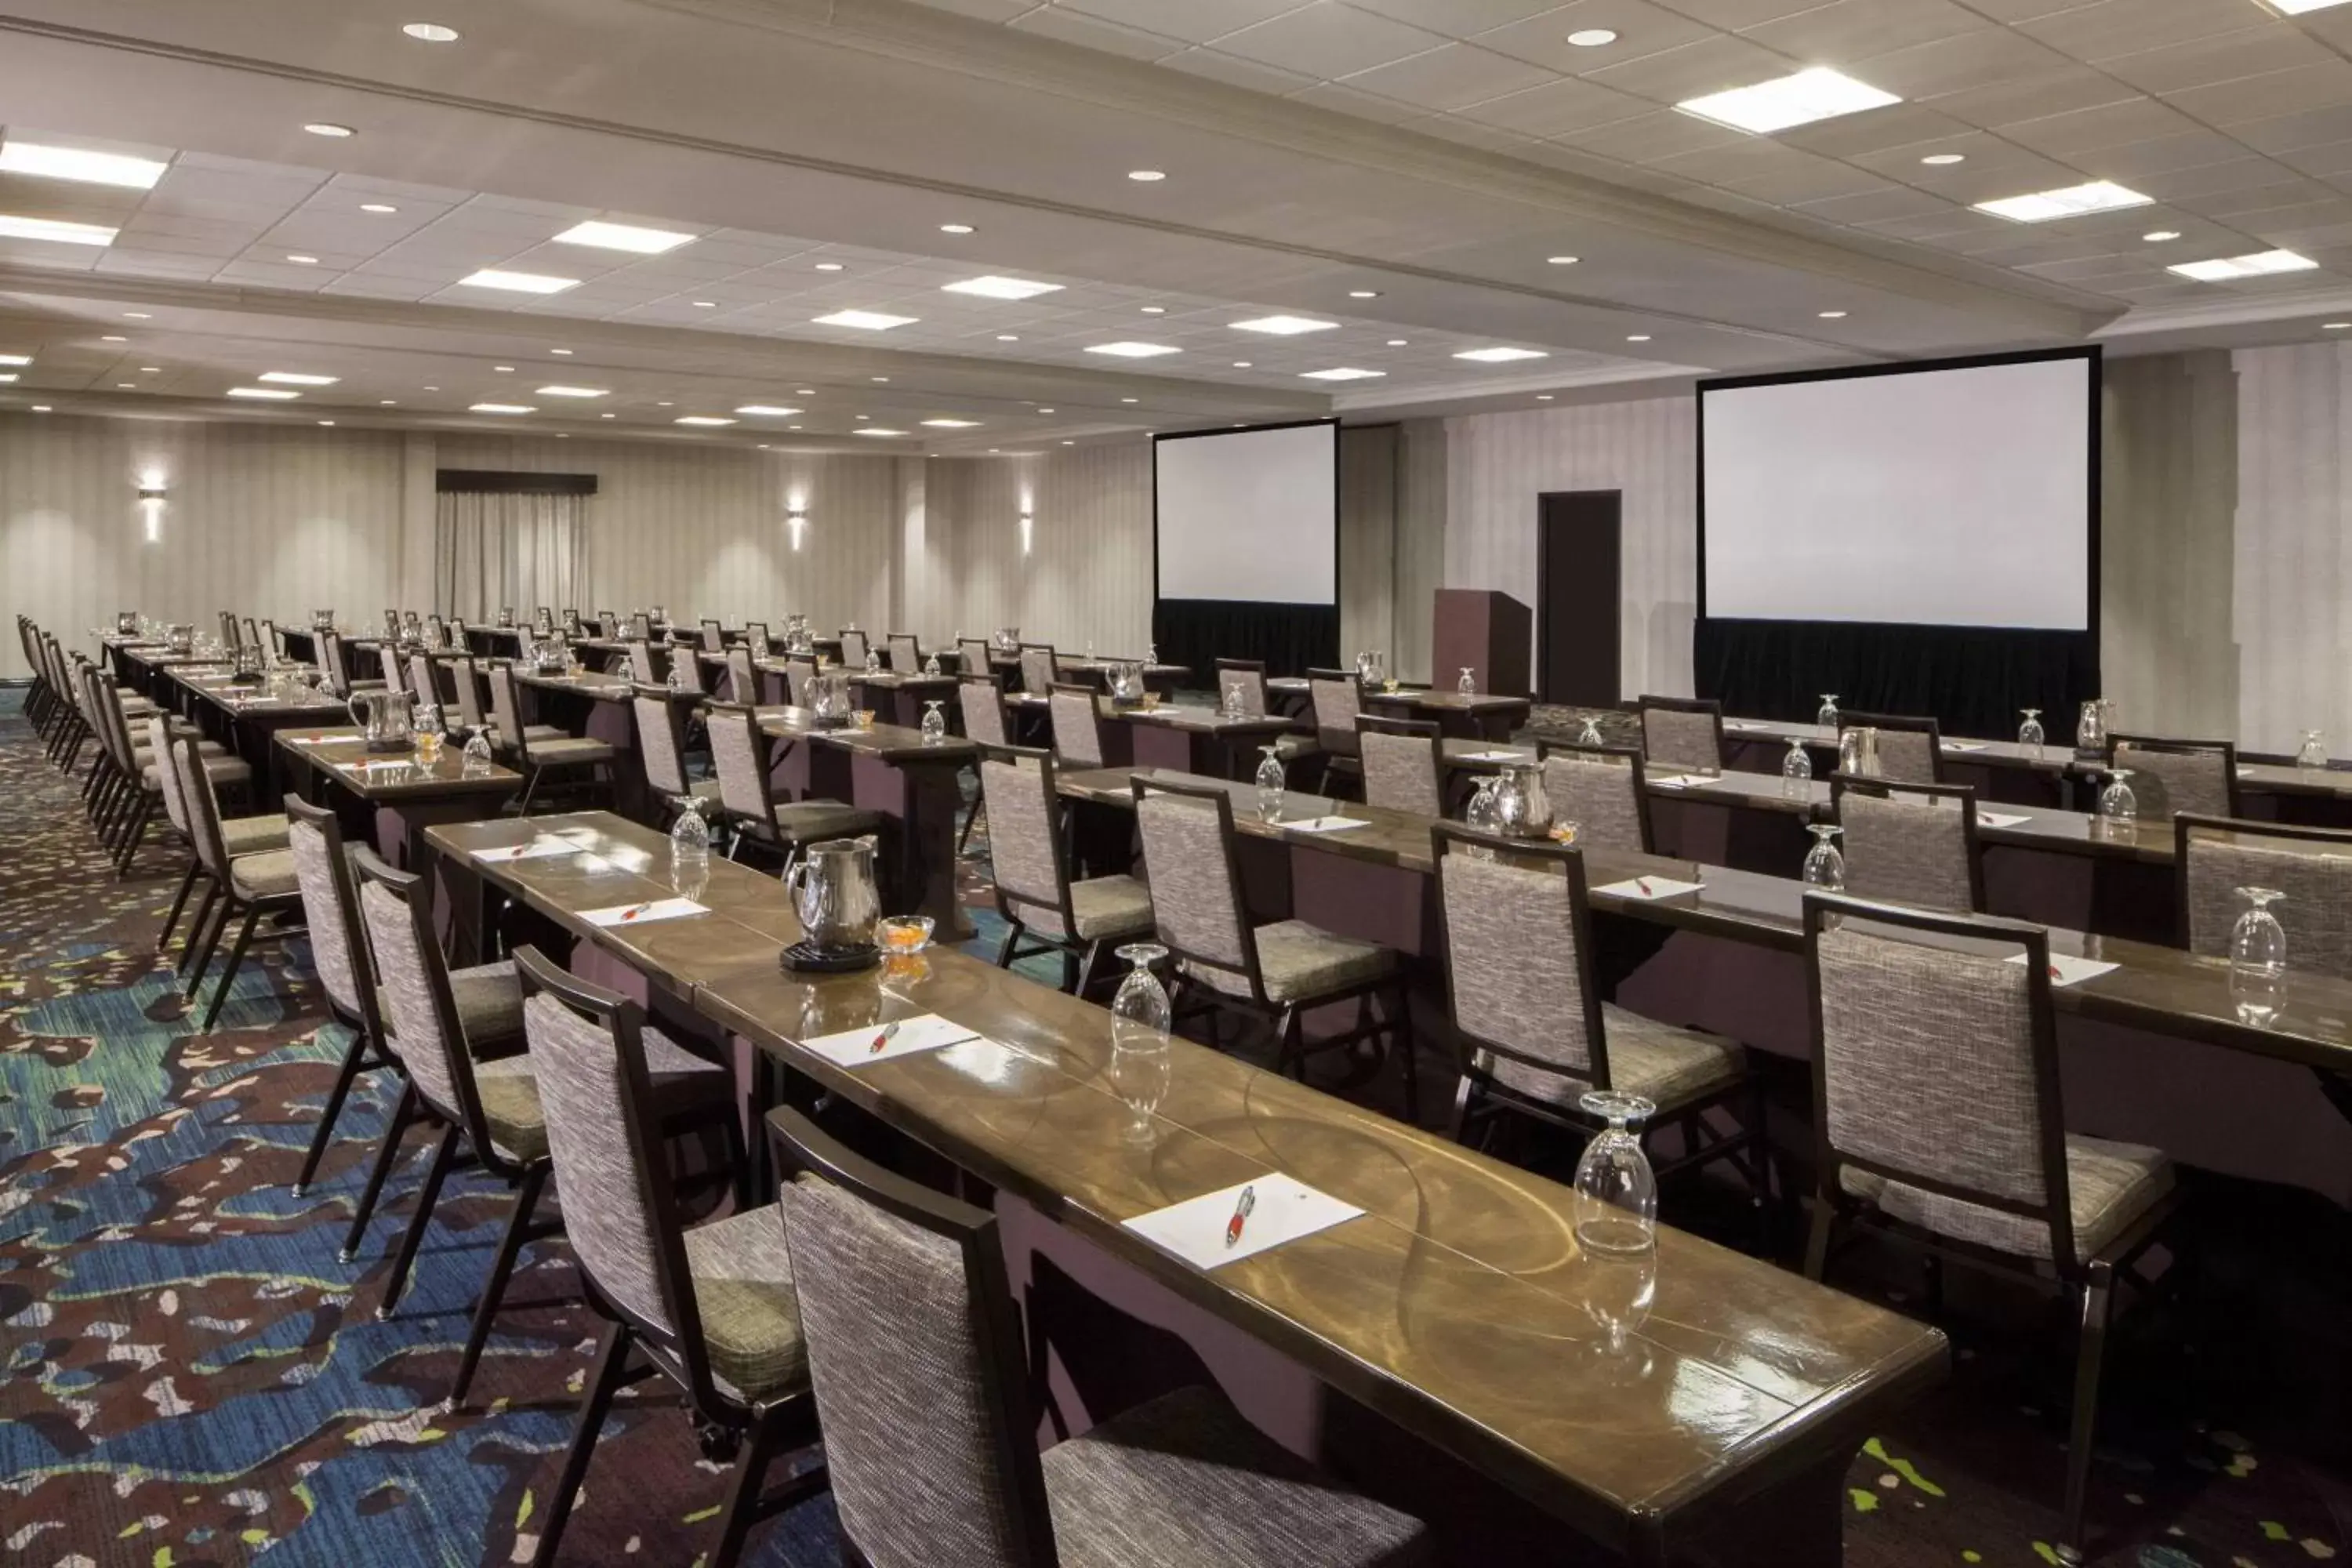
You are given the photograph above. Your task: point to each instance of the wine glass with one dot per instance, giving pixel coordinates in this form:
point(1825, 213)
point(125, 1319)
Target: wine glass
point(932, 664)
point(2313, 753)
point(1272, 778)
point(1796, 769)
point(690, 836)
point(2116, 802)
point(1484, 815)
point(1824, 867)
point(476, 758)
point(1468, 685)
point(1139, 1020)
point(1616, 1190)
point(2258, 958)
point(1828, 716)
point(935, 723)
point(1233, 700)
point(2091, 729)
point(1590, 734)
point(2029, 734)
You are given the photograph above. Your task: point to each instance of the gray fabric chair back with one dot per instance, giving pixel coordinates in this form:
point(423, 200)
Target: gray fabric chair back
point(1195, 904)
point(739, 752)
point(506, 709)
point(167, 775)
point(437, 631)
point(1336, 702)
point(1025, 839)
point(641, 626)
point(1910, 750)
point(1401, 772)
point(421, 679)
point(202, 806)
point(971, 653)
point(2311, 867)
point(905, 654)
point(2172, 778)
point(854, 647)
point(337, 948)
point(981, 702)
point(1077, 726)
point(641, 661)
point(684, 656)
point(714, 637)
point(1599, 788)
point(1247, 677)
point(1517, 966)
point(658, 741)
point(465, 681)
point(1681, 739)
point(1039, 669)
point(415, 987)
point(742, 675)
point(798, 673)
point(756, 634)
point(387, 654)
point(1909, 844)
point(332, 666)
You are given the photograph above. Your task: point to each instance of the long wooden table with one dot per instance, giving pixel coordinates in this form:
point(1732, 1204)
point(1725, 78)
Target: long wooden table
point(1460, 1309)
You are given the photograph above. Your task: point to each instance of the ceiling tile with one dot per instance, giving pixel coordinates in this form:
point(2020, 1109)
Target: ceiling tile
point(2292, 132)
point(986, 10)
point(1454, 18)
point(1468, 132)
point(1557, 108)
point(1194, 21)
point(1730, 16)
point(1450, 77)
point(1898, 126)
point(1648, 138)
point(1364, 105)
point(1847, 31)
point(2113, 27)
point(2250, 51)
point(1978, 59)
point(2160, 154)
point(1070, 27)
point(1642, 28)
point(1235, 71)
point(1329, 40)
point(2013, 99)
point(1711, 65)
point(2109, 125)
point(2323, 86)
point(1885, 203)
point(2206, 179)
point(2331, 160)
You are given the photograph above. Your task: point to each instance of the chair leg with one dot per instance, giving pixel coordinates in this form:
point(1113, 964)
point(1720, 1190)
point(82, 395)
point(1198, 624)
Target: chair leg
point(355, 1058)
point(197, 926)
point(1816, 1245)
point(188, 884)
point(1408, 1052)
point(444, 1155)
point(213, 934)
point(403, 1113)
point(595, 1400)
point(2098, 1299)
point(1464, 1090)
point(134, 833)
point(494, 1289)
point(235, 962)
point(1287, 1056)
point(1004, 948)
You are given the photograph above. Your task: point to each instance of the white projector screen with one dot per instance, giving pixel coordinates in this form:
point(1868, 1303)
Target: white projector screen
point(1250, 514)
point(1958, 495)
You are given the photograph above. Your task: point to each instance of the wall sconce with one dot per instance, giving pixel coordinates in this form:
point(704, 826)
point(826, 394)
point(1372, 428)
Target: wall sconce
point(1026, 522)
point(798, 521)
point(151, 506)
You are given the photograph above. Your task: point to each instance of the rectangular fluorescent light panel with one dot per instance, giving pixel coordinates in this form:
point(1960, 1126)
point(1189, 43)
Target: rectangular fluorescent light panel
point(503, 408)
point(701, 419)
point(1499, 356)
point(264, 394)
point(1345, 373)
point(73, 164)
point(1284, 326)
point(995, 287)
point(519, 283)
point(952, 424)
point(52, 229)
point(874, 430)
point(2297, 8)
point(2259, 265)
point(865, 320)
point(8, 378)
point(295, 378)
point(1132, 351)
point(624, 236)
point(766, 411)
point(2040, 207)
point(573, 392)
point(15, 359)
point(1820, 93)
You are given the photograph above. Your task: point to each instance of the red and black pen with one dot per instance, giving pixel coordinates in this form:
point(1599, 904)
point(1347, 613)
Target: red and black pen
point(1241, 1207)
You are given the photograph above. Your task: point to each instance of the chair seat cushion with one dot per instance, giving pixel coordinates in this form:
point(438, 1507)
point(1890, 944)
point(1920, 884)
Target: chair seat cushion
point(1290, 748)
point(264, 875)
point(1299, 962)
point(568, 751)
point(509, 1090)
point(742, 1277)
point(1110, 906)
point(253, 834)
point(535, 733)
point(1664, 1065)
point(488, 998)
point(1183, 1479)
point(808, 820)
point(2108, 1185)
point(222, 770)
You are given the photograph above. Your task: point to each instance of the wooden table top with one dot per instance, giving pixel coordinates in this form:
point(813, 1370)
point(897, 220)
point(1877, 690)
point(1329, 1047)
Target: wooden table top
point(1435, 701)
point(1172, 716)
point(2165, 990)
point(893, 744)
point(405, 779)
point(259, 698)
point(1458, 1306)
point(589, 683)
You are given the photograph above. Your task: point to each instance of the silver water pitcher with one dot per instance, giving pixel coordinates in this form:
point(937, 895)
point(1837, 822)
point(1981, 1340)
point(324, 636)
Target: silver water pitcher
point(829, 698)
point(387, 719)
point(1522, 808)
point(1858, 752)
point(832, 892)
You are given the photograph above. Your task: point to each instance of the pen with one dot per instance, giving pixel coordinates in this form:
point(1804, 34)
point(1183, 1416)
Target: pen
point(634, 910)
point(882, 1039)
point(1241, 1207)
point(1643, 883)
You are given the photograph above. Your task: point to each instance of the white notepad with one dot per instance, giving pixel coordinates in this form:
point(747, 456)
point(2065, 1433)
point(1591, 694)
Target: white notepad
point(644, 913)
point(1650, 888)
point(1497, 757)
point(1323, 823)
point(1964, 745)
point(1281, 1210)
point(317, 739)
point(2069, 971)
point(1680, 781)
point(536, 850)
point(2001, 818)
point(856, 1048)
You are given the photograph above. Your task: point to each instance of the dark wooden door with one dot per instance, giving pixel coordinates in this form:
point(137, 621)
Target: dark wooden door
point(1579, 601)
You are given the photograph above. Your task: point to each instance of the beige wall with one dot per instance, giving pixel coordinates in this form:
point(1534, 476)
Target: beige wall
point(2293, 554)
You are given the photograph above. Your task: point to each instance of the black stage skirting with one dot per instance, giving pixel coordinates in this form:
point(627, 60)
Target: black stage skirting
point(1291, 638)
point(1973, 680)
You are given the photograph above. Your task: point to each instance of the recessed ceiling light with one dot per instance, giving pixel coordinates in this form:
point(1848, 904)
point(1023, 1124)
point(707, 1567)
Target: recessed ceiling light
point(624, 236)
point(701, 419)
point(2335, 326)
point(73, 164)
point(952, 424)
point(1154, 310)
point(378, 207)
point(1397, 343)
point(828, 267)
point(1563, 260)
point(1132, 351)
point(113, 338)
point(573, 392)
point(54, 230)
point(1363, 293)
point(1941, 159)
point(862, 417)
point(328, 423)
point(519, 283)
point(503, 369)
point(1501, 355)
point(1069, 443)
point(431, 33)
point(767, 411)
point(955, 228)
point(137, 316)
point(325, 128)
point(120, 386)
point(8, 377)
point(565, 352)
point(795, 426)
point(665, 404)
point(865, 320)
point(991, 286)
point(299, 378)
point(432, 389)
point(706, 304)
point(1146, 176)
point(1344, 372)
point(876, 431)
point(303, 260)
point(878, 378)
point(15, 359)
point(1045, 411)
point(1008, 337)
point(608, 416)
point(561, 436)
point(1591, 37)
point(503, 408)
point(1543, 397)
point(2223, 270)
point(2040, 207)
point(388, 403)
point(1819, 93)
point(2158, 235)
point(1832, 315)
point(1284, 326)
point(803, 392)
point(1638, 338)
point(40, 408)
point(1243, 363)
point(264, 394)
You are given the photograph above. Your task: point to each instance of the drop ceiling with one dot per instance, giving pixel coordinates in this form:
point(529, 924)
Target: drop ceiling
point(1404, 169)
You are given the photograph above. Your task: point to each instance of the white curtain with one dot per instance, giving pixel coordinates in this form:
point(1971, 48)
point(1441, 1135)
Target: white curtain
point(491, 552)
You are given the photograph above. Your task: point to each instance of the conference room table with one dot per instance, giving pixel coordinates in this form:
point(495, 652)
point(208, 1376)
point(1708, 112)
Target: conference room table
point(1484, 716)
point(245, 719)
point(1166, 734)
point(2153, 1051)
point(1448, 1344)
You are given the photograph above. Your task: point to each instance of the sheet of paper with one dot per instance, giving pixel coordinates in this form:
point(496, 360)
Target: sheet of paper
point(1679, 781)
point(314, 740)
point(538, 849)
point(2069, 971)
point(379, 766)
point(1650, 888)
point(1964, 745)
point(1743, 724)
point(906, 1037)
point(644, 913)
point(1323, 823)
point(1281, 1210)
point(2001, 818)
point(1497, 757)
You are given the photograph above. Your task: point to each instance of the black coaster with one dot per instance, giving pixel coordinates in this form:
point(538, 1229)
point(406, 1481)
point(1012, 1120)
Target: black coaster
point(805, 958)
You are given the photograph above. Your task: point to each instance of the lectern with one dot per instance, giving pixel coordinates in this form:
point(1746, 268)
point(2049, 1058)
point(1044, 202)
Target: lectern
point(1490, 632)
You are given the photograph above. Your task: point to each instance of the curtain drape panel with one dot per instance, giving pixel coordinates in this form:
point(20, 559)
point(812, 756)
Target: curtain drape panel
point(494, 550)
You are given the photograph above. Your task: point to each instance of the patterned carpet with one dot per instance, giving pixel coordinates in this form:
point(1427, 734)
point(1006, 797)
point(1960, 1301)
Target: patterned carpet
point(194, 1379)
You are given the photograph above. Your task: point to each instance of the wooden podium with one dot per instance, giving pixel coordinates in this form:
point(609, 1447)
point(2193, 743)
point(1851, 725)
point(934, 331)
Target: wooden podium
point(1490, 632)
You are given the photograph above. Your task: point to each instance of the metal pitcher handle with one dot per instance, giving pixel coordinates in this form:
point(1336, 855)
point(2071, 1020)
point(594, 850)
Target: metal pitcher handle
point(352, 705)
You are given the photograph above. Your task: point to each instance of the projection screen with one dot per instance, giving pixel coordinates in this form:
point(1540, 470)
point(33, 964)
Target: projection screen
point(1250, 515)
